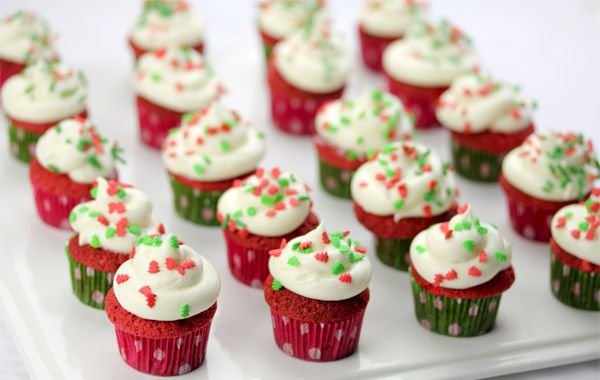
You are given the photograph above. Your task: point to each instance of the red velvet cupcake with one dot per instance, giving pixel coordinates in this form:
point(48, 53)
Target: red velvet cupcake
point(256, 214)
point(318, 293)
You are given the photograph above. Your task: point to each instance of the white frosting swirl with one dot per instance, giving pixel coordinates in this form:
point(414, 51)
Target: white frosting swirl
point(314, 58)
point(269, 203)
point(460, 254)
point(25, 37)
point(430, 56)
point(167, 22)
point(176, 78)
point(404, 179)
point(576, 228)
point(321, 266)
point(553, 166)
point(213, 145)
point(390, 18)
point(115, 219)
point(279, 18)
point(166, 280)
point(74, 147)
point(44, 92)
point(475, 103)
point(363, 124)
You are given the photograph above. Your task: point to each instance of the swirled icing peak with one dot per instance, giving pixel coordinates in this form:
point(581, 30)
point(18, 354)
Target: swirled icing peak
point(166, 280)
point(280, 18)
point(461, 253)
point(25, 37)
point(391, 18)
point(322, 266)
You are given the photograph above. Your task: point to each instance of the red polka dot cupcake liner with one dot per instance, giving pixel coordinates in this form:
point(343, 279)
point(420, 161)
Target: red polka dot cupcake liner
point(573, 281)
point(394, 252)
point(372, 48)
point(317, 342)
point(54, 209)
point(8, 69)
point(89, 285)
point(420, 101)
point(335, 169)
point(248, 265)
point(139, 51)
point(155, 122)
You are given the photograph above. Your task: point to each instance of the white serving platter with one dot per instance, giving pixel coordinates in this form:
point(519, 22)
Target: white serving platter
point(61, 339)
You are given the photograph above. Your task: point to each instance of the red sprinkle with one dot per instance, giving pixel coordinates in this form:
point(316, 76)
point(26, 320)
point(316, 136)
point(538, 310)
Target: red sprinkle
point(474, 271)
point(576, 234)
point(118, 207)
point(153, 267)
point(561, 221)
point(427, 211)
point(306, 244)
point(462, 209)
point(102, 220)
point(160, 229)
point(150, 297)
point(121, 278)
point(244, 233)
point(482, 256)
point(322, 257)
point(451, 275)
point(345, 278)
point(325, 238)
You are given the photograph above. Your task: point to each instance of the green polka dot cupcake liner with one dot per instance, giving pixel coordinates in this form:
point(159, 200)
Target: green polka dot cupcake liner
point(574, 287)
point(475, 164)
point(89, 285)
point(454, 316)
point(334, 180)
point(197, 206)
point(22, 143)
point(394, 252)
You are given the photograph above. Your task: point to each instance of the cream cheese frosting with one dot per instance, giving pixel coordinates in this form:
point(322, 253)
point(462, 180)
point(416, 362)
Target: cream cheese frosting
point(268, 203)
point(322, 266)
point(75, 148)
point(280, 18)
point(576, 228)
point(45, 92)
point(357, 126)
point(391, 18)
point(166, 280)
point(475, 103)
point(404, 179)
point(461, 253)
point(116, 217)
point(177, 78)
point(553, 166)
point(213, 145)
point(314, 58)
point(430, 55)
point(167, 22)
point(25, 37)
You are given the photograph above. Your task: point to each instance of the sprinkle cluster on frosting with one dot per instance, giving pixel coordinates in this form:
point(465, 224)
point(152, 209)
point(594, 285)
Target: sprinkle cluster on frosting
point(116, 217)
point(404, 179)
point(368, 122)
point(74, 147)
point(165, 280)
point(213, 145)
point(177, 78)
point(268, 203)
point(475, 103)
point(25, 37)
point(391, 18)
point(320, 265)
point(279, 18)
point(314, 58)
point(553, 166)
point(576, 228)
point(461, 253)
point(45, 91)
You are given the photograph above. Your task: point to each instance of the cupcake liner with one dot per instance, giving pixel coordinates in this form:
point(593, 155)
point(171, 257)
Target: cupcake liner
point(318, 342)
point(372, 48)
point(197, 206)
point(8, 69)
point(22, 142)
point(394, 252)
point(89, 285)
point(250, 266)
point(454, 316)
point(54, 209)
point(530, 221)
point(574, 287)
point(165, 356)
point(155, 122)
point(475, 164)
point(334, 180)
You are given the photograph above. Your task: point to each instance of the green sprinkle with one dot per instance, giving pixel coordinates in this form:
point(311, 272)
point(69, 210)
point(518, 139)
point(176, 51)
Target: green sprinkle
point(68, 92)
point(94, 192)
point(110, 232)
point(398, 204)
point(338, 268)
point(94, 162)
point(155, 77)
point(251, 211)
point(420, 249)
point(94, 214)
point(377, 95)
point(584, 226)
point(500, 256)
point(95, 242)
point(174, 242)
point(135, 230)
point(352, 155)
point(482, 231)
point(72, 217)
point(225, 146)
point(185, 311)
point(469, 245)
point(276, 284)
point(187, 117)
point(345, 120)
point(199, 169)
point(293, 261)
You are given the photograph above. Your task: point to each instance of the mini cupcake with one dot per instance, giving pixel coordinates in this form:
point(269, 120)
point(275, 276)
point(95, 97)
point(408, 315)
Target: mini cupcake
point(575, 254)
point(420, 67)
point(70, 156)
point(169, 83)
point(211, 149)
point(382, 22)
point(318, 293)
point(348, 129)
point(549, 171)
point(24, 38)
point(162, 306)
point(487, 120)
point(307, 69)
point(33, 102)
point(164, 23)
point(106, 228)
point(256, 214)
point(459, 270)
point(278, 19)
point(402, 190)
